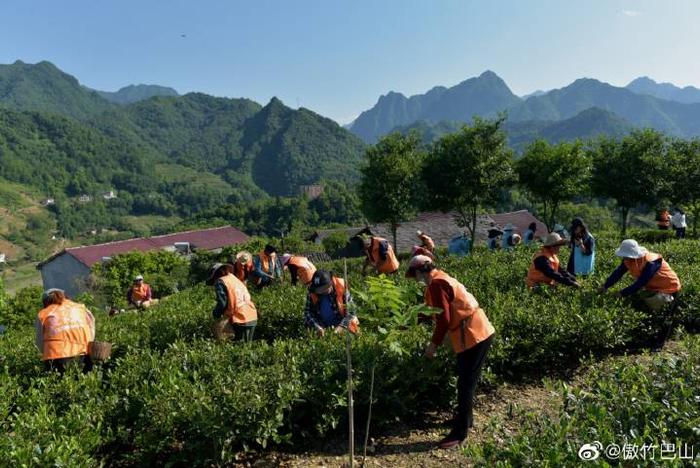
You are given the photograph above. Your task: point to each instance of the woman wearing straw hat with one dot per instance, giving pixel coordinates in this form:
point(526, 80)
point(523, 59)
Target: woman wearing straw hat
point(64, 330)
point(470, 332)
point(233, 302)
point(546, 268)
point(243, 266)
point(651, 272)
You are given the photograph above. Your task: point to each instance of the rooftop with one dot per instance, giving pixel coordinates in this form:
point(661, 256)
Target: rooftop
point(206, 239)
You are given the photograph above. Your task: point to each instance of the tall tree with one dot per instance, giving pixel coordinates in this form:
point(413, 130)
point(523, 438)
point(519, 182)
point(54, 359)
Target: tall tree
point(466, 170)
point(630, 170)
point(554, 173)
point(682, 177)
point(391, 179)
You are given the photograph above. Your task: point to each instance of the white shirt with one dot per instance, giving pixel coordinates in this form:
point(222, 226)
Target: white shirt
point(678, 221)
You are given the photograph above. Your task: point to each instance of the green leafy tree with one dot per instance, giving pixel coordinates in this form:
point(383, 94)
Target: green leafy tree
point(682, 181)
point(630, 170)
point(391, 180)
point(467, 170)
point(554, 173)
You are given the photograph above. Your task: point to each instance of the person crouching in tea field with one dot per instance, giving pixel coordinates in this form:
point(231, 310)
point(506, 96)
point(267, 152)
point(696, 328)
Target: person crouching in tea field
point(233, 302)
point(64, 331)
point(469, 330)
point(327, 305)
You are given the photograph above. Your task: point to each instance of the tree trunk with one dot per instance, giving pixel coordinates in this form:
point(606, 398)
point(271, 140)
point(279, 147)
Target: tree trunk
point(473, 226)
point(625, 214)
point(552, 215)
point(394, 227)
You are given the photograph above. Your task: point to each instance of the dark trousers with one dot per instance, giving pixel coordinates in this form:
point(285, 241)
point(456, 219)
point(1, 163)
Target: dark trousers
point(469, 364)
point(243, 332)
point(60, 365)
point(680, 233)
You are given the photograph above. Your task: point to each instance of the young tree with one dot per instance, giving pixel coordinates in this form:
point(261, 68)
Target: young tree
point(466, 170)
point(630, 170)
point(390, 180)
point(554, 173)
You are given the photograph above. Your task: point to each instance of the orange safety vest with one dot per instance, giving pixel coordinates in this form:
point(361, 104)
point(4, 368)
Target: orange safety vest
point(390, 265)
point(267, 263)
point(665, 280)
point(468, 325)
point(240, 307)
point(67, 330)
point(428, 243)
point(242, 270)
point(664, 219)
point(305, 269)
point(139, 293)
point(339, 288)
point(535, 276)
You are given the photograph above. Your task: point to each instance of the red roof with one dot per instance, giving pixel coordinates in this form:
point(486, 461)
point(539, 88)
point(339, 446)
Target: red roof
point(206, 239)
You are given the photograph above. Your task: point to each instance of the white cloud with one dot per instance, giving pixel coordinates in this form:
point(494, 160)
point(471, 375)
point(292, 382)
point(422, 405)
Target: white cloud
point(631, 13)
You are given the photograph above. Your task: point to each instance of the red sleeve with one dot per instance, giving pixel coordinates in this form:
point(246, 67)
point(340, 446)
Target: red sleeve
point(441, 295)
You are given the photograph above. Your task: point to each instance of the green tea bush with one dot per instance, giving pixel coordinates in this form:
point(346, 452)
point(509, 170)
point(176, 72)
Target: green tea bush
point(634, 401)
point(170, 394)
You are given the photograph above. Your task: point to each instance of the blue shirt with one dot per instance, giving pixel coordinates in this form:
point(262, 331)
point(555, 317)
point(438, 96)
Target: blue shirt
point(326, 312)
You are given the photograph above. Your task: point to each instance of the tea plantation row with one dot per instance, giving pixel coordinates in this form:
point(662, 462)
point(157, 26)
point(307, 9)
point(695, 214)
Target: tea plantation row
point(172, 394)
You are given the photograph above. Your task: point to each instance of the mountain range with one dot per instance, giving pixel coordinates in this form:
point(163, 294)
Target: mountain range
point(135, 93)
point(488, 95)
point(669, 91)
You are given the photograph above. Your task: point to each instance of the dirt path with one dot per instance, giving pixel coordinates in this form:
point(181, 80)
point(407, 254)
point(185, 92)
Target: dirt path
point(414, 444)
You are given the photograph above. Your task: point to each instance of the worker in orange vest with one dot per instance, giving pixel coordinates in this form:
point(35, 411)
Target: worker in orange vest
point(266, 267)
point(233, 302)
point(243, 266)
point(546, 269)
point(652, 274)
point(419, 250)
point(64, 331)
point(426, 242)
point(470, 332)
point(140, 294)
point(327, 305)
point(664, 220)
point(300, 268)
point(380, 254)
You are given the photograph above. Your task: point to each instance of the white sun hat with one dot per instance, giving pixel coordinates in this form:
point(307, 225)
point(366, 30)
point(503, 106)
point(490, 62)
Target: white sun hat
point(630, 248)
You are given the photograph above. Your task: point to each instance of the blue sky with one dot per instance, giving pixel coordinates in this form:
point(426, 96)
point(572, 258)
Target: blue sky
point(337, 57)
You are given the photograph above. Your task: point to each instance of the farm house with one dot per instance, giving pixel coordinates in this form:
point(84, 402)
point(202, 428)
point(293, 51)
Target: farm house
point(69, 268)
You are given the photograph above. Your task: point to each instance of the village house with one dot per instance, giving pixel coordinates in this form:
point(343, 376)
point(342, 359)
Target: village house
point(69, 269)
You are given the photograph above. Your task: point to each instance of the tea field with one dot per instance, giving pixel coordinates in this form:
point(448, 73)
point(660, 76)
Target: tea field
point(171, 395)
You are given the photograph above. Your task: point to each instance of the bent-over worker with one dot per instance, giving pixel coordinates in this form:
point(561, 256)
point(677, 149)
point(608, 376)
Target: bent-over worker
point(426, 242)
point(266, 267)
point(509, 239)
point(529, 234)
point(64, 331)
point(546, 269)
point(327, 304)
point(471, 335)
point(233, 302)
point(380, 254)
point(243, 266)
point(300, 268)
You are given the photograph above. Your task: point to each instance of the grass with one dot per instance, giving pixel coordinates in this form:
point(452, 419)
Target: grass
point(151, 223)
point(21, 276)
point(173, 173)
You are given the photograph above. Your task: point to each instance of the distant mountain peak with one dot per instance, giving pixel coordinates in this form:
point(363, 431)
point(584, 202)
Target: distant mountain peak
point(137, 92)
point(664, 90)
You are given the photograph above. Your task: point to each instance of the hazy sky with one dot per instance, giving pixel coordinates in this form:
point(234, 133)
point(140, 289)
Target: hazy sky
point(338, 57)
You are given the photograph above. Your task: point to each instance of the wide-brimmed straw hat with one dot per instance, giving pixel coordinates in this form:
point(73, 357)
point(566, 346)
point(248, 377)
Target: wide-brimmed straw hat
point(630, 248)
point(46, 293)
point(416, 263)
point(244, 257)
point(553, 240)
point(215, 268)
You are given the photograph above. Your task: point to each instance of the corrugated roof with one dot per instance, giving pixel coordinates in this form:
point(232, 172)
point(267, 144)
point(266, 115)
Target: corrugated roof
point(206, 239)
point(442, 228)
